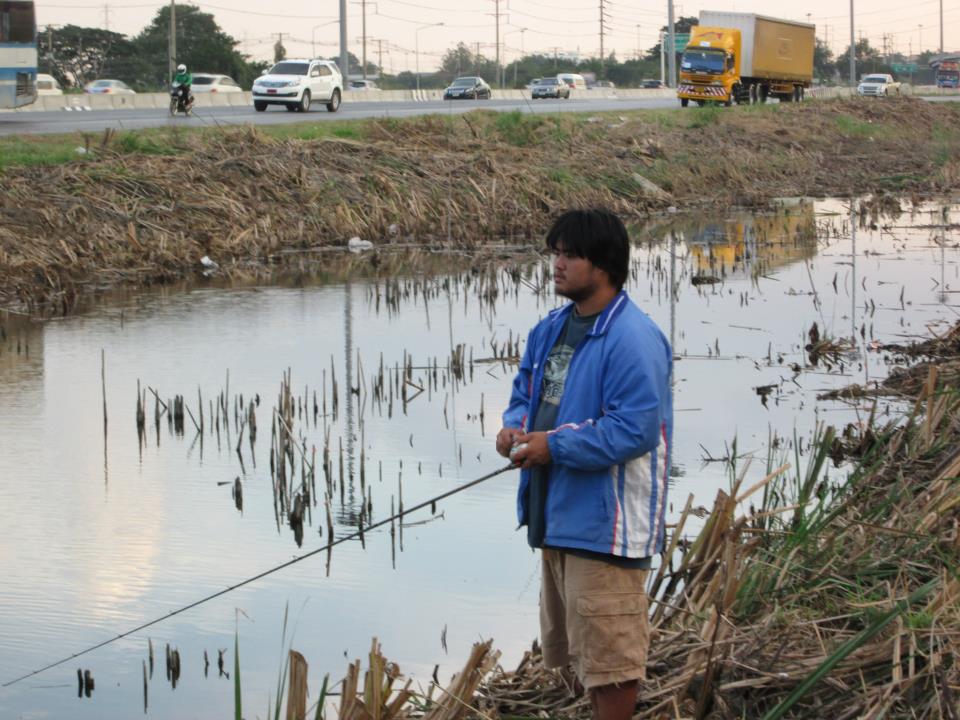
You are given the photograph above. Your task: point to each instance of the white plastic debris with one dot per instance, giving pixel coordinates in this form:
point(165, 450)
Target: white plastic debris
point(393, 229)
point(671, 209)
point(208, 263)
point(80, 150)
point(356, 245)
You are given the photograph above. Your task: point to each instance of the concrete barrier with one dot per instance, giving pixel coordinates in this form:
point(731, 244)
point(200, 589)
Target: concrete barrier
point(80, 103)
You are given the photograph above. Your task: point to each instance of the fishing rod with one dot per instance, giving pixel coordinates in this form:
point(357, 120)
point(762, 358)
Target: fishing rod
point(294, 561)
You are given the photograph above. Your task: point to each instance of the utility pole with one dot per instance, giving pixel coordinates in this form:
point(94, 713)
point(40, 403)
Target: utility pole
point(853, 51)
point(941, 27)
point(497, 14)
point(344, 57)
point(663, 59)
point(601, 41)
point(173, 38)
point(363, 6)
point(106, 18)
point(638, 41)
point(380, 56)
point(555, 61)
point(672, 43)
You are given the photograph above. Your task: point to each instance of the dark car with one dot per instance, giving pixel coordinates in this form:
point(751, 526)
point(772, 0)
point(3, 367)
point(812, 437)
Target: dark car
point(652, 85)
point(467, 88)
point(550, 87)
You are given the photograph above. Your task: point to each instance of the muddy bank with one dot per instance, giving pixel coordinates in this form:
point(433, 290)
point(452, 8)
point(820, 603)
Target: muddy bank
point(134, 213)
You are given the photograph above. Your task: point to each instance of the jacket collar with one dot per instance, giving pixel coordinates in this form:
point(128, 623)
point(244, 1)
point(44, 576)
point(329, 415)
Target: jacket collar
point(606, 317)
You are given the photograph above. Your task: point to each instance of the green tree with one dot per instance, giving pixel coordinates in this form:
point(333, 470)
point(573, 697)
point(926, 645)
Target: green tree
point(823, 65)
point(201, 44)
point(461, 61)
point(76, 55)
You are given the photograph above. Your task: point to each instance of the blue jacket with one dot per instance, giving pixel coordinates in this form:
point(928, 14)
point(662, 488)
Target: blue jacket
point(607, 488)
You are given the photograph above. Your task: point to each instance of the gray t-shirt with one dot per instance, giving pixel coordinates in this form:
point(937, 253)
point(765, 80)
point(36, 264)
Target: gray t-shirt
point(551, 391)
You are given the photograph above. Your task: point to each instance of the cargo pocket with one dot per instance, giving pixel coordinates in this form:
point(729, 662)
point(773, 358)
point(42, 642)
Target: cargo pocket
point(614, 631)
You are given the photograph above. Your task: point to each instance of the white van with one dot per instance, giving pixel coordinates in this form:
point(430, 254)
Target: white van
point(573, 81)
point(48, 85)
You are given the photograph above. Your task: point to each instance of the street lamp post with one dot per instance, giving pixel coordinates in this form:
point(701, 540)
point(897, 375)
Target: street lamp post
point(416, 43)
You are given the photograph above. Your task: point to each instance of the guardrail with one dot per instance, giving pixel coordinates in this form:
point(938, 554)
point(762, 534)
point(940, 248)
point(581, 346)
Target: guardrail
point(81, 103)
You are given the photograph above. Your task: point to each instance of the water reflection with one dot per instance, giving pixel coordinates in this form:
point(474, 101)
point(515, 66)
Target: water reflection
point(364, 396)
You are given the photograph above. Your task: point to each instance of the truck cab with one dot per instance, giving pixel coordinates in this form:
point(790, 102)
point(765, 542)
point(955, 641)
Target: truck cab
point(948, 74)
point(710, 67)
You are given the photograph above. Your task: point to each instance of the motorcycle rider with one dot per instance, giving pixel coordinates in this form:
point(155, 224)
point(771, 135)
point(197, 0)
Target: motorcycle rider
point(182, 83)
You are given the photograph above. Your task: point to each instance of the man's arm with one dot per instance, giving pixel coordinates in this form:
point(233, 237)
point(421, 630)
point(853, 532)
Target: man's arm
point(636, 397)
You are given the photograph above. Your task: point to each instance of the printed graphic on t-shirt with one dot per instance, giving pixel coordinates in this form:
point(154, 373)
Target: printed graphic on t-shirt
point(555, 373)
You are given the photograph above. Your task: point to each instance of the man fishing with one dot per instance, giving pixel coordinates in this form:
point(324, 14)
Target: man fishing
point(589, 422)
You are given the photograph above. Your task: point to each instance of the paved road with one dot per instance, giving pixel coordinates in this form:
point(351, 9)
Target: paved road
point(33, 123)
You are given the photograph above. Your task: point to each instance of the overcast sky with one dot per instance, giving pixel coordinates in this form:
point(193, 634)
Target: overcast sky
point(564, 25)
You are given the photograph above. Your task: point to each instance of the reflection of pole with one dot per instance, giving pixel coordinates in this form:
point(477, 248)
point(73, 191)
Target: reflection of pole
point(673, 332)
point(853, 264)
point(453, 383)
point(348, 349)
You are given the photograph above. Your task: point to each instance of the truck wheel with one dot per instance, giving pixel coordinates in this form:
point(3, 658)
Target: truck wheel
point(763, 93)
point(684, 102)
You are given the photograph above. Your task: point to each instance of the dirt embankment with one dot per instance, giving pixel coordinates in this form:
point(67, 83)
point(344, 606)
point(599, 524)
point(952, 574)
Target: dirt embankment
point(125, 215)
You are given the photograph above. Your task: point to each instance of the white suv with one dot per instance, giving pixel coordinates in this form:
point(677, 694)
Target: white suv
point(297, 83)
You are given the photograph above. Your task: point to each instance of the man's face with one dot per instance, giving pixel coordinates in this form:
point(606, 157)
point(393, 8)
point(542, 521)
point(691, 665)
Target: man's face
point(575, 277)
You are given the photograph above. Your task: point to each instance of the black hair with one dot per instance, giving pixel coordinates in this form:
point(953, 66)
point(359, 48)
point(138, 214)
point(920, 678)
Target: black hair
point(597, 235)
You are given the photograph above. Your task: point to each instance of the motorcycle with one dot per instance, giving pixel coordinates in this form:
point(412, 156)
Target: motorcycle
point(181, 101)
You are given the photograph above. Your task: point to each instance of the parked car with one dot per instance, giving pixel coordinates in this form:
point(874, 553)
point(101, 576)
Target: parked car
point(108, 87)
point(362, 85)
point(206, 83)
point(652, 84)
point(464, 88)
point(48, 85)
point(550, 88)
point(573, 80)
point(295, 84)
point(603, 84)
point(878, 85)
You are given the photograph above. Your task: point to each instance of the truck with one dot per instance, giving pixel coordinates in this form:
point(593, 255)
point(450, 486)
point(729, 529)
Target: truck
point(948, 74)
point(746, 58)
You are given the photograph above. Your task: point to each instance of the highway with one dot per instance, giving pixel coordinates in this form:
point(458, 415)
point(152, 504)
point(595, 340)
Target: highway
point(96, 121)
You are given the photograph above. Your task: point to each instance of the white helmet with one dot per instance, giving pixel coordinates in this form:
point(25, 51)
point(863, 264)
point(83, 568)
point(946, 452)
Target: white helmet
point(181, 68)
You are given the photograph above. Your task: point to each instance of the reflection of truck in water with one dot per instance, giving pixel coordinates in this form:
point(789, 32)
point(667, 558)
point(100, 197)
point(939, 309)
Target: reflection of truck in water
point(746, 58)
point(948, 74)
point(751, 245)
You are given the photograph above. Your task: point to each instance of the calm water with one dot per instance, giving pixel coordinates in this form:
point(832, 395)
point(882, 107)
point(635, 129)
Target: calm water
point(97, 536)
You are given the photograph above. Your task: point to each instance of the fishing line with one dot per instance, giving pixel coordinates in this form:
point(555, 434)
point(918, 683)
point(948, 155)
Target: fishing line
point(263, 574)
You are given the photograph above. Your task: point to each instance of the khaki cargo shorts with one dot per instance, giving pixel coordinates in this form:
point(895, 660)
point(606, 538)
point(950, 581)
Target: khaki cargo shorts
point(593, 614)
